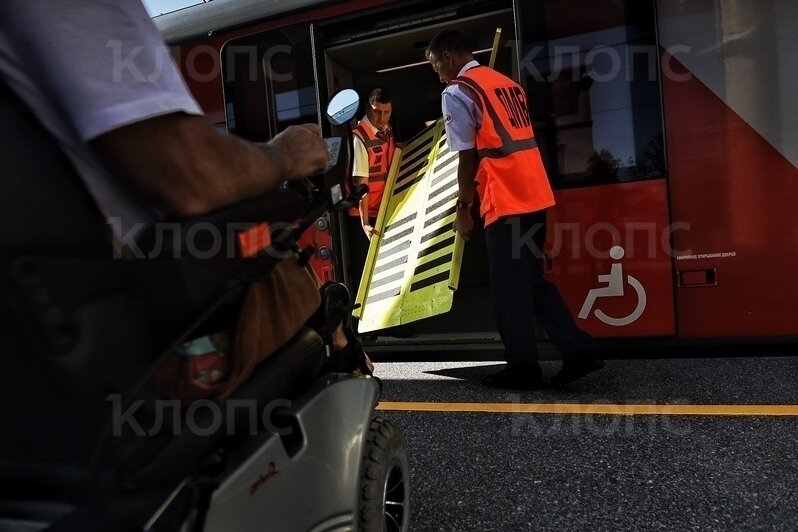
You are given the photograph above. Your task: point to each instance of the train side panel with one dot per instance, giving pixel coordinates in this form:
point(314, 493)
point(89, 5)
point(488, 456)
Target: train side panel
point(732, 134)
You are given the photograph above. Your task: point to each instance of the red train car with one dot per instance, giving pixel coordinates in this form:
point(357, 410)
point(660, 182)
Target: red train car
point(669, 129)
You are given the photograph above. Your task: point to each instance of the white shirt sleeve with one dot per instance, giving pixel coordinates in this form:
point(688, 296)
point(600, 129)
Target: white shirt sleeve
point(361, 166)
point(102, 62)
point(85, 68)
point(461, 116)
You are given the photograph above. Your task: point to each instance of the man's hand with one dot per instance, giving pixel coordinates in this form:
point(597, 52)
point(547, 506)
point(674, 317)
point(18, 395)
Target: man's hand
point(370, 231)
point(303, 152)
point(463, 223)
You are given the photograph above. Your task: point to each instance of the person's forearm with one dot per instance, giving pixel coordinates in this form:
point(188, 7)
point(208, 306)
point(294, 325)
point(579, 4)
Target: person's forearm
point(364, 209)
point(183, 166)
point(466, 174)
point(363, 206)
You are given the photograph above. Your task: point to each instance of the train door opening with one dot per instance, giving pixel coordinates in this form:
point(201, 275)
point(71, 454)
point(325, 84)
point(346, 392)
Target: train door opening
point(396, 61)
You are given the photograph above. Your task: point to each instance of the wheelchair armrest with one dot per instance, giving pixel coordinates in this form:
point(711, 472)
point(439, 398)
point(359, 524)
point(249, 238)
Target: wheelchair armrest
point(192, 259)
point(213, 231)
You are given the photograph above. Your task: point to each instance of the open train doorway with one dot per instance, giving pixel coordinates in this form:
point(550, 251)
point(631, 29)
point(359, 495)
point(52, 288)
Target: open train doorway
point(390, 54)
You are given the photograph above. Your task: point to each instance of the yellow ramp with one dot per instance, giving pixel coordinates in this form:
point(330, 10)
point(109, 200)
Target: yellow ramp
point(413, 265)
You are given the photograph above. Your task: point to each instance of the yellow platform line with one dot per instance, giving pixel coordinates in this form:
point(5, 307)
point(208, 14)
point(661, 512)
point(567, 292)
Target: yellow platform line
point(595, 409)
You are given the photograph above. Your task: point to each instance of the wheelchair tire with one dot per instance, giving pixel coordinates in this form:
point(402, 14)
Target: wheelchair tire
point(384, 480)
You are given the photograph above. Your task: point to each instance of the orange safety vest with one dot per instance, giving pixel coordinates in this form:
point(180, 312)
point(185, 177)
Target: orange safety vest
point(511, 178)
point(380, 154)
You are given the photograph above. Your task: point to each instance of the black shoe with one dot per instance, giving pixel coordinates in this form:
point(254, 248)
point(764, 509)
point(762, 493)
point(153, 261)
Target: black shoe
point(575, 370)
point(513, 379)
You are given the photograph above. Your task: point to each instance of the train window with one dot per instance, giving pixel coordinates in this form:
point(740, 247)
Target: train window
point(592, 74)
point(269, 82)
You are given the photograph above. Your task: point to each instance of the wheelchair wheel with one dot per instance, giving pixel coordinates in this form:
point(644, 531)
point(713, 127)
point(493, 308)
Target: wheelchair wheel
point(384, 480)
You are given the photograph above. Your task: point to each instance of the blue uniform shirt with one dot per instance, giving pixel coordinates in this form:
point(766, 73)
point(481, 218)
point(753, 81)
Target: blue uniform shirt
point(461, 113)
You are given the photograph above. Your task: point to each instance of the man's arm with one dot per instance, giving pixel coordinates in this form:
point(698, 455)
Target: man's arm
point(461, 116)
point(466, 174)
point(363, 207)
point(360, 173)
point(183, 166)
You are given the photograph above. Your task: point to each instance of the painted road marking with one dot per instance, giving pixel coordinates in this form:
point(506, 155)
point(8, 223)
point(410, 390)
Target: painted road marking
point(595, 409)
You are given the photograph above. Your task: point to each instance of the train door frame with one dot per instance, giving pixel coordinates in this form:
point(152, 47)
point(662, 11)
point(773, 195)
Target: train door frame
point(330, 46)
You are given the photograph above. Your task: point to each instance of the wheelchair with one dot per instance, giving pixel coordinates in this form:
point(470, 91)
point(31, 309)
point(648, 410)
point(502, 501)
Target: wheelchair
point(79, 325)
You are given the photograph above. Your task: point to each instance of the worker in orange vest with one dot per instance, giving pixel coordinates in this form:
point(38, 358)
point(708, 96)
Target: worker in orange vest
point(374, 147)
point(487, 122)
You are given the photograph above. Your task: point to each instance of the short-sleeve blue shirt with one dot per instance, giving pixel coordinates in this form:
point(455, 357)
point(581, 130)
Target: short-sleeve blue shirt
point(461, 113)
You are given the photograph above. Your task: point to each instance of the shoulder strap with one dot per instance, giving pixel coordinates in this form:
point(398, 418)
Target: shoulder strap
point(369, 141)
point(509, 145)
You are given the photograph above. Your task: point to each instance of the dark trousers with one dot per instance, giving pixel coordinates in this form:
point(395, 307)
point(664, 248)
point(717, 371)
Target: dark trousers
point(521, 294)
point(358, 251)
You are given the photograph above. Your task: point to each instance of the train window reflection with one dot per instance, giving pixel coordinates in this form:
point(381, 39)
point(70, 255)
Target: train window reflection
point(593, 79)
point(269, 82)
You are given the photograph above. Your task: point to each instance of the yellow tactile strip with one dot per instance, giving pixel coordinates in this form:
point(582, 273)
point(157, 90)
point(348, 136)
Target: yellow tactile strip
point(595, 409)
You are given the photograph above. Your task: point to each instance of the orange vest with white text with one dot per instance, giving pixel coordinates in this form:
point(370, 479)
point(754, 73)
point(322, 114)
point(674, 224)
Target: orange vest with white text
point(511, 178)
point(380, 152)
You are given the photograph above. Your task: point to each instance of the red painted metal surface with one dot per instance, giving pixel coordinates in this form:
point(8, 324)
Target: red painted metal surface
point(320, 240)
point(739, 196)
point(585, 225)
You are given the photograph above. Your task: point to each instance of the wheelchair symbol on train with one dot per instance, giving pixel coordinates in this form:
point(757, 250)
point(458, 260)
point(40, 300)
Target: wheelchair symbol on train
point(615, 288)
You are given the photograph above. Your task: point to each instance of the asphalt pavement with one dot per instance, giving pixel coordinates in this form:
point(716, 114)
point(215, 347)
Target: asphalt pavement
point(529, 471)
